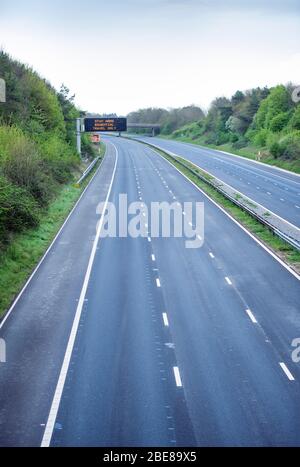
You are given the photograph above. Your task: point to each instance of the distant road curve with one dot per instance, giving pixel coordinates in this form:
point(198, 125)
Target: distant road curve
point(277, 190)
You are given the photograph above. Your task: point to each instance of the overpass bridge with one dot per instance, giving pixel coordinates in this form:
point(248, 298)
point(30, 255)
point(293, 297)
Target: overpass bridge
point(151, 126)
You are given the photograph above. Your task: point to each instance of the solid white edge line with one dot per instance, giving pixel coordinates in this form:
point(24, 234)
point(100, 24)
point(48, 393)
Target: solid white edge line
point(66, 362)
point(279, 260)
point(177, 376)
point(7, 314)
point(157, 282)
point(165, 319)
point(287, 371)
point(251, 315)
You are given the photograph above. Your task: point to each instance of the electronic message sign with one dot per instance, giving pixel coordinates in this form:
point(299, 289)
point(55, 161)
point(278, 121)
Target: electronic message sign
point(105, 124)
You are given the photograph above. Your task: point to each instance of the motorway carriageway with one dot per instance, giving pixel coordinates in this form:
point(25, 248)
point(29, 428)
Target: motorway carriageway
point(276, 190)
point(143, 342)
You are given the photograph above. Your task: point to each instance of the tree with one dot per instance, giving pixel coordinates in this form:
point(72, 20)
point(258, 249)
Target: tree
point(295, 119)
point(169, 120)
point(277, 102)
point(70, 113)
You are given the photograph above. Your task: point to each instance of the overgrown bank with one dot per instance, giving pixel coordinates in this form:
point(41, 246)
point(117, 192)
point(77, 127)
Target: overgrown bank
point(37, 147)
point(261, 124)
point(26, 248)
point(38, 165)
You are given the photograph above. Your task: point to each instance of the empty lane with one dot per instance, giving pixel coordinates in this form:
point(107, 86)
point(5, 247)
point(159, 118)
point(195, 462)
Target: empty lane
point(174, 347)
point(278, 191)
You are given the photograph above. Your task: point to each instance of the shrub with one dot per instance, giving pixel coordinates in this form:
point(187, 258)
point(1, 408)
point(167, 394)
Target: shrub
point(22, 165)
point(291, 145)
point(260, 137)
point(278, 102)
point(276, 149)
point(295, 119)
point(240, 143)
point(88, 150)
point(223, 138)
point(210, 139)
point(18, 209)
point(279, 121)
point(43, 103)
point(58, 157)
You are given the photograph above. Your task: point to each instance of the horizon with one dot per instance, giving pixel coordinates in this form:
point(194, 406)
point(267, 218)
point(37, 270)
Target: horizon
point(108, 114)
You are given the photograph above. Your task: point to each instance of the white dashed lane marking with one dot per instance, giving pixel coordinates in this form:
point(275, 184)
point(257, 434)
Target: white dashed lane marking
point(287, 371)
point(165, 319)
point(251, 316)
point(177, 376)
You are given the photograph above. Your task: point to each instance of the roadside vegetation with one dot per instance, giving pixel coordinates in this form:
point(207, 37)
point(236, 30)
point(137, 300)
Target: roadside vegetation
point(285, 251)
point(260, 123)
point(38, 165)
point(26, 248)
point(169, 120)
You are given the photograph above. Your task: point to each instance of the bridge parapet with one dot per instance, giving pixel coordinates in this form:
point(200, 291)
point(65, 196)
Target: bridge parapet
point(152, 126)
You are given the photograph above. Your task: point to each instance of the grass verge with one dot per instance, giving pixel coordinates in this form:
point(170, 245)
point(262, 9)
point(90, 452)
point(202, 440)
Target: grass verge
point(286, 252)
point(19, 259)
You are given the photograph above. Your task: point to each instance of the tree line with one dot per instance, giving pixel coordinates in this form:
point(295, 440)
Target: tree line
point(267, 119)
point(169, 120)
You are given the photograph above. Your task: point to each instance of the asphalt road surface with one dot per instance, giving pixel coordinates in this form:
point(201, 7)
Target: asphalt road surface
point(277, 190)
point(173, 346)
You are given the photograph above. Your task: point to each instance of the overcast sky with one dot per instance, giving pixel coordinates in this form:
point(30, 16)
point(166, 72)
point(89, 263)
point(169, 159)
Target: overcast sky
point(121, 55)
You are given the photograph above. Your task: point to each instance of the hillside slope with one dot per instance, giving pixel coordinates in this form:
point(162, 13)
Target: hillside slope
point(37, 146)
point(259, 123)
